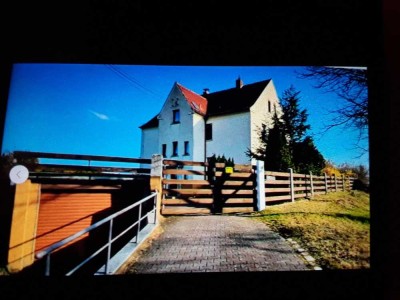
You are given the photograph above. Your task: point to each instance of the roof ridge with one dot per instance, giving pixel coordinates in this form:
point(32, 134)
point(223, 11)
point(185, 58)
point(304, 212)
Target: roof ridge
point(244, 85)
point(179, 84)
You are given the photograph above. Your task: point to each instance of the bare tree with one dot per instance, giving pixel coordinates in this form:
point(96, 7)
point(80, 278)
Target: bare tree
point(350, 85)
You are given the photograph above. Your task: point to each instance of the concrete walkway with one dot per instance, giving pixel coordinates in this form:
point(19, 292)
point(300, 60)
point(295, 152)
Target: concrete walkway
point(217, 243)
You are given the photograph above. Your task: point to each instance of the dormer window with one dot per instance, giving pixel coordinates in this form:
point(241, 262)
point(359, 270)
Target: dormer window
point(176, 116)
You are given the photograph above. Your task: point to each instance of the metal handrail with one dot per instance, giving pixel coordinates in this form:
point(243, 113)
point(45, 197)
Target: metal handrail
point(49, 250)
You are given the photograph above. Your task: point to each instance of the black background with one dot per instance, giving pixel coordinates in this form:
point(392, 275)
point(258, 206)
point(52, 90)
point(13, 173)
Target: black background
point(284, 32)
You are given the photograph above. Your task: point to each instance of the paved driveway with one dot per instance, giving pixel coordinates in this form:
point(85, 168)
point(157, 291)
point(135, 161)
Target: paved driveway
point(217, 243)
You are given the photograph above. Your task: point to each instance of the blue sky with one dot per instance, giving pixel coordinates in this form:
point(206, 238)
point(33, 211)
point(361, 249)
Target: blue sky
point(97, 109)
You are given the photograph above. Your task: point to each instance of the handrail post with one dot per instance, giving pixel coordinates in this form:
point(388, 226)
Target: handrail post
point(109, 245)
point(291, 185)
point(47, 270)
point(138, 228)
point(155, 208)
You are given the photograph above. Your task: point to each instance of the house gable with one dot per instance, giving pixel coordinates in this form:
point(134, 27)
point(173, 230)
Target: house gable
point(262, 112)
point(180, 122)
point(264, 108)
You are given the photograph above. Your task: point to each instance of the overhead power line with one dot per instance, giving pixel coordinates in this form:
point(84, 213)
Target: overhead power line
point(133, 81)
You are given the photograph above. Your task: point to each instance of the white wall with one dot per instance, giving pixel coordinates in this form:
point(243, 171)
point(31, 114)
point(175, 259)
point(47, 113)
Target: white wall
point(259, 113)
point(198, 138)
point(231, 137)
point(183, 131)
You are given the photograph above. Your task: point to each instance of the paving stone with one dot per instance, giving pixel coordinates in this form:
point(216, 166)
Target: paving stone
point(309, 258)
point(218, 244)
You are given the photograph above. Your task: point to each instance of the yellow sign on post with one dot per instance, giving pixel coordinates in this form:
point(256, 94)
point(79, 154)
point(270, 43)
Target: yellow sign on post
point(229, 170)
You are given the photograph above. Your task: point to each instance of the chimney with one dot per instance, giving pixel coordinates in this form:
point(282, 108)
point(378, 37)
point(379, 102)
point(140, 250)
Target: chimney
point(239, 83)
point(206, 91)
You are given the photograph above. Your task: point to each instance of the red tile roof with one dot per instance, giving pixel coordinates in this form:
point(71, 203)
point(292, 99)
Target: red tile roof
point(197, 102)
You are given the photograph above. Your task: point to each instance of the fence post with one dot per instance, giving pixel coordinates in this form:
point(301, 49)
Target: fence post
point(343, 183)
point(291, 185)
point(348, 183)
point(260, 180)
point(211, 171)
point(311, 183)
point(155, 180)
point(335, 182)
point(211, 178)
point(326, 183)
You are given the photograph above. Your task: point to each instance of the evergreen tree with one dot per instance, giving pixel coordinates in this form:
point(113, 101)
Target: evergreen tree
point(293, 118)
point(277, 153)
point(304, 154)
point(286, 144)
point(306, 157)
point(274, 148)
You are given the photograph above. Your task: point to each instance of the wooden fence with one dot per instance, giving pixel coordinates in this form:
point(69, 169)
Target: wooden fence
point(282, 186)
point(191, 187)
point(56, 167)
point(188, 187)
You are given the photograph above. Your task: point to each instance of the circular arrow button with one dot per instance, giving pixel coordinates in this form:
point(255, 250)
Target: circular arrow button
point(19, 174)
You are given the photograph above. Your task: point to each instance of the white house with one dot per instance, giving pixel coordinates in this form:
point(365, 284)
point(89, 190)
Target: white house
point(191, 126)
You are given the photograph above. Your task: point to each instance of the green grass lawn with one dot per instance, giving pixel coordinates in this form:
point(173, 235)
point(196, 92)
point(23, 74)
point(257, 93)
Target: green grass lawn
point(334, 228)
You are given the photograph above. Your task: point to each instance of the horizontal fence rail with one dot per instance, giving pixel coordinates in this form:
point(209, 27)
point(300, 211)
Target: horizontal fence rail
point(82, 167)
point(111, 239)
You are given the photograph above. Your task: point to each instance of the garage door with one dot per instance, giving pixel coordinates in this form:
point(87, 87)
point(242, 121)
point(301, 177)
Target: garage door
point(63, 214)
